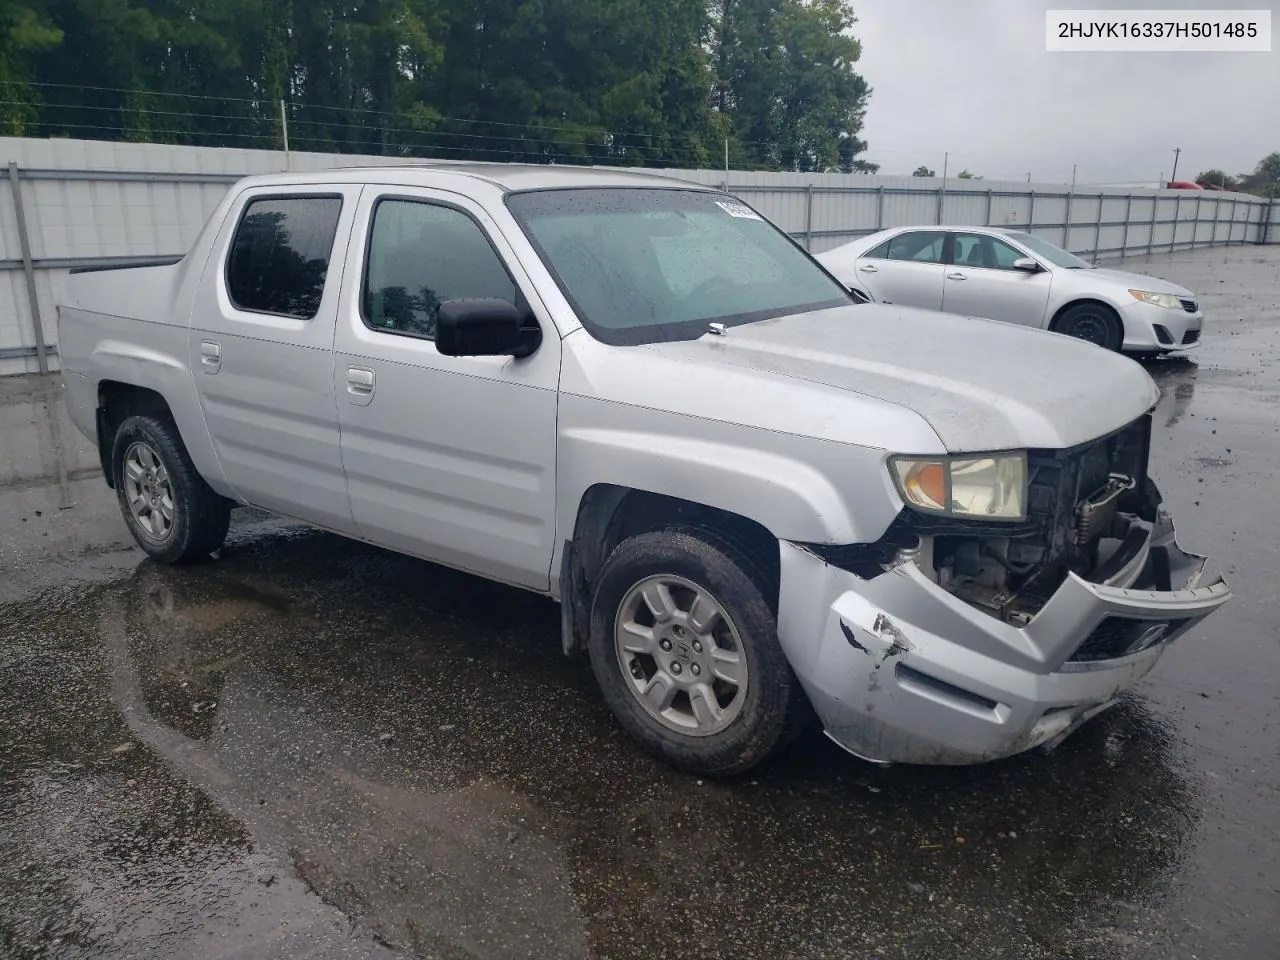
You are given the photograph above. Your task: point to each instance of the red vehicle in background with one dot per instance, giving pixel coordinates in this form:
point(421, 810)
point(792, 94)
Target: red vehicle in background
point(1182, 185)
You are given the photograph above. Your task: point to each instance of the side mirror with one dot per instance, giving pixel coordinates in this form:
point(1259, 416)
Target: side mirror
point(1027, 264)
point(485, 328)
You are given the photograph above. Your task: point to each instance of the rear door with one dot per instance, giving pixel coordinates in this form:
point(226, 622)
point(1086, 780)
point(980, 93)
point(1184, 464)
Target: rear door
point(448, 458)
point(262, 349)
point(982, 282)
point(907, 269)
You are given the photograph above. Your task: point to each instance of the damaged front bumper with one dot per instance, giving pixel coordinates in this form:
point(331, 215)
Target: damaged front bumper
point(902, 671)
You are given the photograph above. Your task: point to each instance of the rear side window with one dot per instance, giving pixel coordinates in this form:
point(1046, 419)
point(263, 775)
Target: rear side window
point(921, 246)
point(420, 255)
point(280, 254)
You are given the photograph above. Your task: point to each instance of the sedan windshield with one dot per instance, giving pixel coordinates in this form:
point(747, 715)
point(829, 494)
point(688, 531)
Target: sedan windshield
point(1054, 254)
point(642, 265)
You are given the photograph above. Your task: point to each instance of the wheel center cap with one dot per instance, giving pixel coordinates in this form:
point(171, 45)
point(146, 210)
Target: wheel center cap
point(683, 653)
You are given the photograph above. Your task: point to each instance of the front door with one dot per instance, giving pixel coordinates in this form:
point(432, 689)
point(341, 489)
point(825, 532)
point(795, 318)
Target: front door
point(982, 282)
point(261, 348)
point(448, 458)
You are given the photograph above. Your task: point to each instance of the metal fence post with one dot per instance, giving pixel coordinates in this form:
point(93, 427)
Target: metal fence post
point(1128, 209)
point(24, 242)
point(1177, 212)
point(1231, 228)
point(1066, 227)
point(1151, 234)
point(808, 218)
point(1097, 226)
point(987, 221)
point(1031, 212)
point(880, 208)
point(942, 195)
point(1195, 231)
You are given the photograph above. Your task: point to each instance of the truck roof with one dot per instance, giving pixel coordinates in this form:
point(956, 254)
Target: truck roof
point(505, 176)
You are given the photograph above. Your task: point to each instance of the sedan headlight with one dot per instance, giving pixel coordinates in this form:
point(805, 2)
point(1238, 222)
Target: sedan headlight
point(1168, 300)
point(991, 487)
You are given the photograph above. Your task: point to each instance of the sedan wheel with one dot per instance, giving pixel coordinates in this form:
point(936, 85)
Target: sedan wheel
point(1094, 323)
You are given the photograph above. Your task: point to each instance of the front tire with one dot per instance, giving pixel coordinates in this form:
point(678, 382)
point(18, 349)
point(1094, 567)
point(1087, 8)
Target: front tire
point(1094, 323)
point(171, 512)
point(684, 646)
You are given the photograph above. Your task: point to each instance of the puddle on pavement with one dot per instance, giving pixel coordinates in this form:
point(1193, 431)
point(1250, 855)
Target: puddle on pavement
point(312, 735)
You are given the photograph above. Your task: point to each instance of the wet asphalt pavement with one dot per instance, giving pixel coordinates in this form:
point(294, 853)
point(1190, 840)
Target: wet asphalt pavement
point(313, 749)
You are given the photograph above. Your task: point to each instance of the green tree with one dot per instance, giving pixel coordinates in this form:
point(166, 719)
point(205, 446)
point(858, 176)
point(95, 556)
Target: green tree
point(922, 171)
point(968, 175)
point(24, 31)
point(1215, 179)
point(785, 78)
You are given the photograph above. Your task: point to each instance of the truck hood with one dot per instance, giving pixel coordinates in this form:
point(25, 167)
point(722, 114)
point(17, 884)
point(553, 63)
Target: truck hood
point(980, 384)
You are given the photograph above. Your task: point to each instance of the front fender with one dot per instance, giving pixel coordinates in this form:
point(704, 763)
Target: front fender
point(798, 488)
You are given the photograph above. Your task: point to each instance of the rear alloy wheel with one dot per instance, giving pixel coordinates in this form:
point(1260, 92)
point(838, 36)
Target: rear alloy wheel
point(1092, 322)
point(684, 646)
point(171, 512)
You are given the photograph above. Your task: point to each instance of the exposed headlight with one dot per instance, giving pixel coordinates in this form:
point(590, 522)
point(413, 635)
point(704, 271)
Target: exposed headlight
point(992, 487)
point(1168, 300)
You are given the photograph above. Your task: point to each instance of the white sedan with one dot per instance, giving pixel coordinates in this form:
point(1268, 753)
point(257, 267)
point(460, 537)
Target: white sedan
point(1010, 275)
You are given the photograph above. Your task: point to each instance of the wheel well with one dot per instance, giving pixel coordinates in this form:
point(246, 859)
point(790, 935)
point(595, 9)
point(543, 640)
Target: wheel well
point(609, 514)
point(1053, 324)
point(117, 402)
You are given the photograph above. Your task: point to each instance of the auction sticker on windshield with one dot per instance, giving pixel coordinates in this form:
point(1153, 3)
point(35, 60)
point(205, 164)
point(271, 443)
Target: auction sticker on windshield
point(739, 210)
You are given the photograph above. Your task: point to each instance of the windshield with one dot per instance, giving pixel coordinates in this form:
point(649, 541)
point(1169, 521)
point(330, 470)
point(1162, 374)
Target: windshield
point(642, 265)
point(1054, 254)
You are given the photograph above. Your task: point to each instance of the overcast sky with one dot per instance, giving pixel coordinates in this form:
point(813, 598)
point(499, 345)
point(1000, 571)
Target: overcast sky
point(972, 77)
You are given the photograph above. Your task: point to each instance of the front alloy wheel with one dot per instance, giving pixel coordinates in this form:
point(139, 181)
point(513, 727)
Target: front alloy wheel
point(682, 655)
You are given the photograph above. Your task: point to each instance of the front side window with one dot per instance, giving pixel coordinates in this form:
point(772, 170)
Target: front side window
point(642, 265)
point(979, 250)
point(1048, 251)
point(280, 254)
point(919, 246)
point(420, 255)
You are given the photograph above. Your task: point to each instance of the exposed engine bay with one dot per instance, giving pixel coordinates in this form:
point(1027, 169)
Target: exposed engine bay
point(1091, 511)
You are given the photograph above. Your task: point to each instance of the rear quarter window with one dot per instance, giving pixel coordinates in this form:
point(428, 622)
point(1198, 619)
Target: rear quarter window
point(279, 257)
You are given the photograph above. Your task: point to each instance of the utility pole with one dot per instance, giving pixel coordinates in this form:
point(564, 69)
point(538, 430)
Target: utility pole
point(1028, 176)
point(1174, 176)
point(945, 158)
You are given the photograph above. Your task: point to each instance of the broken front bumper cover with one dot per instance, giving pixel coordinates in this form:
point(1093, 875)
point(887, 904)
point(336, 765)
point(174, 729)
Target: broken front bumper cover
point(901, 671)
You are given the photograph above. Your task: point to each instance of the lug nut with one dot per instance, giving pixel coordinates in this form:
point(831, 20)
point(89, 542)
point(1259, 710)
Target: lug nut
point(697, 670)
point(679, 631)
point(676, 668)
point(697, 646)
point(665, 644)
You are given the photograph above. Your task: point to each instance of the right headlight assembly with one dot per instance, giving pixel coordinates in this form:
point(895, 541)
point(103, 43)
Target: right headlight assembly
point(976, 487)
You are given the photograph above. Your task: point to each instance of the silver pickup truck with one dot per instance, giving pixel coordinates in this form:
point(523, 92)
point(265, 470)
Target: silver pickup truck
point(755, 500)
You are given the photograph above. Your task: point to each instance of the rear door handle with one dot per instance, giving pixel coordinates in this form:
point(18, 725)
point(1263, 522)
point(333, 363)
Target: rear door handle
point(957, 276)
point(869, 268)
point(210, 356)
point(360, 383)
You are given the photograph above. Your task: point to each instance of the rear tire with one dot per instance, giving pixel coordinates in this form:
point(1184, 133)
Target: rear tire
point(684, 646)
point(172, 513)
point(1094, 323)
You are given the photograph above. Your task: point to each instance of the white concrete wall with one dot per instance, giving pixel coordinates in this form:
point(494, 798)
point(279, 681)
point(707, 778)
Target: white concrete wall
point(86, 200)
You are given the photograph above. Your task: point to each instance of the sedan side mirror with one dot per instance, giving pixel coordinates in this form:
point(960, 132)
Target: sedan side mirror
point(485, 328)
point(1027, 264)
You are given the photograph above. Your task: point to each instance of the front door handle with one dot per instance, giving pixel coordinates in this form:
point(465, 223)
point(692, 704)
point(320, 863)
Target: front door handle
point(360, 383)
point(210, 356)
point(957, 276)
point(869, 268)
